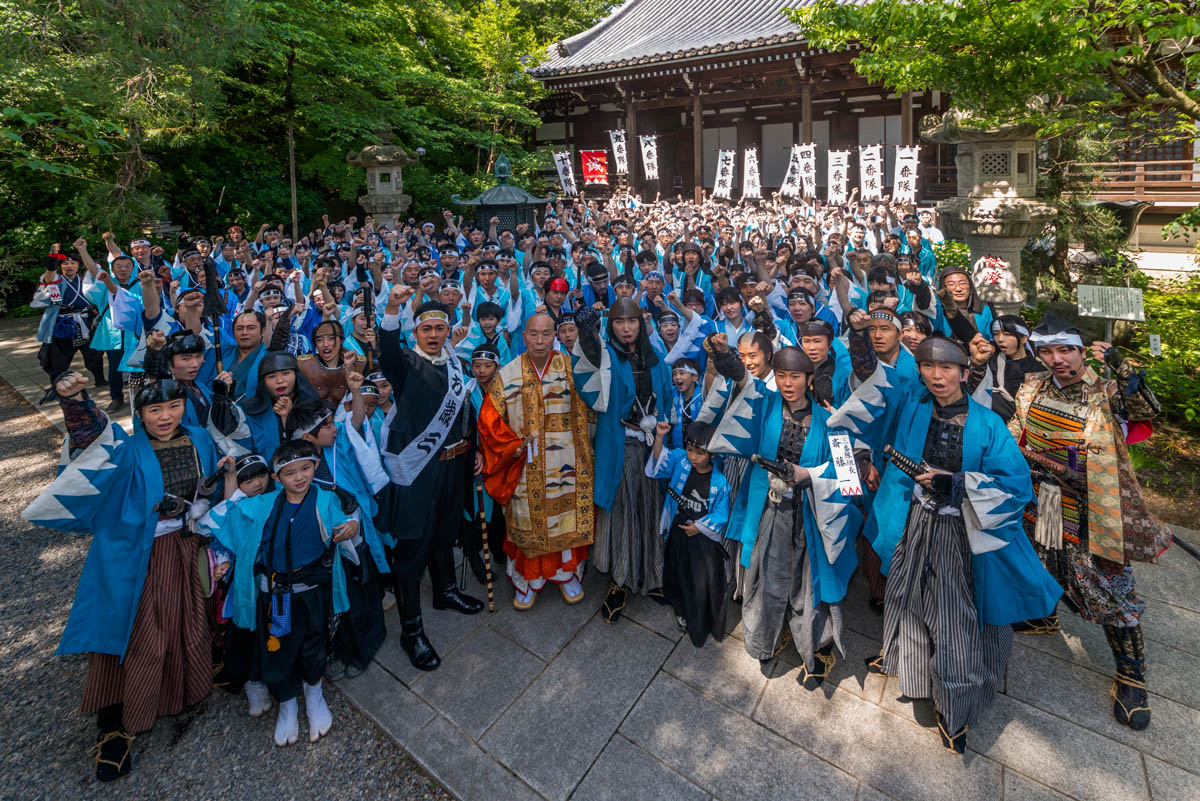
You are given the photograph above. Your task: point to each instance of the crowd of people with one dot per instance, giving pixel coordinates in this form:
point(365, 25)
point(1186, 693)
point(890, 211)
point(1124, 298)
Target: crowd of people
point(710, 404)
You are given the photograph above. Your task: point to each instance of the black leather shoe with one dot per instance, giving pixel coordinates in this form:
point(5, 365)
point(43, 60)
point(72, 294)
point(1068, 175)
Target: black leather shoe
point(417, 646)
point(115, 405)
point(451, 598)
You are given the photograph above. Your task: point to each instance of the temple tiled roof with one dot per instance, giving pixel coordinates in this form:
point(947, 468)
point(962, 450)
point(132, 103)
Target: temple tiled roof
point(655, 31)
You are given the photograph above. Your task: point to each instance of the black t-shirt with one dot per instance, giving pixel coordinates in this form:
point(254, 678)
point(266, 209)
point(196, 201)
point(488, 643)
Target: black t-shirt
point(692, 502)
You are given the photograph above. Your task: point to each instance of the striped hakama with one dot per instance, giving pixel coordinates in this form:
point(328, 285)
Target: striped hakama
point(168, 661)
point(628, 544)
point(734, 470)
point(779, 590)
point(932, 636)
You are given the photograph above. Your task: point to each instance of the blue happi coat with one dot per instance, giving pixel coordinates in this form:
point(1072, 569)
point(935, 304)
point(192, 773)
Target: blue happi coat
point(1010, 583)
point(674, 465)
point(608, 389)
point(237, 526)
point(110, 489)
point(753, 424)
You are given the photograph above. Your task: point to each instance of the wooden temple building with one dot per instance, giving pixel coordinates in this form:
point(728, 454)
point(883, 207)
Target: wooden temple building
point(736, 74)
point(721, 75)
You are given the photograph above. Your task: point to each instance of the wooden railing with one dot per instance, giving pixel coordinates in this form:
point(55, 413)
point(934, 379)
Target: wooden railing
point(1164, 181)
point(937, 182)
point(1175, 180)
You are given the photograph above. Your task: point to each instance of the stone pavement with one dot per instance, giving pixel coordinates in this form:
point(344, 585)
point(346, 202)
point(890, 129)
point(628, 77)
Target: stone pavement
point(556, 704)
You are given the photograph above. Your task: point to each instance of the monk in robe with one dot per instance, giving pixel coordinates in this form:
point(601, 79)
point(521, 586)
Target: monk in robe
point(537, 463)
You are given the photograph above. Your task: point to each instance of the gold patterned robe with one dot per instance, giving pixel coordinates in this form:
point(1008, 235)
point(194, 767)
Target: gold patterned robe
point(546, 484)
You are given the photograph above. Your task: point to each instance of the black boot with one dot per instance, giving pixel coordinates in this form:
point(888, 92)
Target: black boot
point(825, 660)
point(113, 746)
point(955, 743)
point(1131, 703)
point(449, 597)
point(417, 646)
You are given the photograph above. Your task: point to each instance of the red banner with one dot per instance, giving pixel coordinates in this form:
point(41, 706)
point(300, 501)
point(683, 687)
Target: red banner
point(595, 166)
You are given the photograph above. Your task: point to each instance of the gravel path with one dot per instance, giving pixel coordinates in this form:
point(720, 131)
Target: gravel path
point(213, 751)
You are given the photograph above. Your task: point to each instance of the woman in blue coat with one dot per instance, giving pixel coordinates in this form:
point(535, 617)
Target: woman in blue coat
point(138, 613)
point(948, 531)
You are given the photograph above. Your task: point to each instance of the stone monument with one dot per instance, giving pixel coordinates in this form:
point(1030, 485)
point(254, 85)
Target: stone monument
point(385, 186)
point(996, 210)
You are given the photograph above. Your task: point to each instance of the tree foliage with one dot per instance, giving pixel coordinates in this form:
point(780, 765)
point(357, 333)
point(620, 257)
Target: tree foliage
point(115, 114)
point(1087, 57)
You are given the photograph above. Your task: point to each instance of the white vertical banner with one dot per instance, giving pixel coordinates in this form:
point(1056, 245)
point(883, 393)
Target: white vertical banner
point(791, 179)
point(870, 172)
point(808, 169)
point(908, 164)
point(650, 157)
point(751, 178)
point(839, 176)
point(620, 155)
point(723, 186)
point(566, 173)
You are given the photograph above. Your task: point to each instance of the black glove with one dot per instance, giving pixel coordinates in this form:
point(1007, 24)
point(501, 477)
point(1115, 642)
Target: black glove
point(587, 320)
point(222, 415)
point(349, 504)
point(729, 365)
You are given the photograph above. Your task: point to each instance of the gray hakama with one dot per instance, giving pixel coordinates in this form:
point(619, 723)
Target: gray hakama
point(932, 637)
point(779, 590)
point(628, 544)
point(734, 469)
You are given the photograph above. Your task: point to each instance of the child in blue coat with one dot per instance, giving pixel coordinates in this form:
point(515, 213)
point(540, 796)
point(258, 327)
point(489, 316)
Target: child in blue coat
point(694, 515)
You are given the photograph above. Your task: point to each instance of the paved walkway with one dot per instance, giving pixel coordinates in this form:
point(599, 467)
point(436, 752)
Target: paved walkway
point(556, 704)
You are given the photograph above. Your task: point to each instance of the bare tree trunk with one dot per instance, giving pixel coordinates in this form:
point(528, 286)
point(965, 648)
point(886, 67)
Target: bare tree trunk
point(291, 109)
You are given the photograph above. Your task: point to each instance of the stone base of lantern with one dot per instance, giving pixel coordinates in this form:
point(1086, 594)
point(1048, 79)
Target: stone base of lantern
point(996, 230)
point(385, 205)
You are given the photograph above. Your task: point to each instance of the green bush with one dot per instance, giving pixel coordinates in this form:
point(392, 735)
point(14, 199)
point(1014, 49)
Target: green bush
point(950, 253)
point(1173, 312)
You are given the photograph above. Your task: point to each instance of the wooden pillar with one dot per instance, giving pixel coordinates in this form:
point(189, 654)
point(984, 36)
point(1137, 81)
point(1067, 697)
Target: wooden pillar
point(806, 111)
point(697, 144)
point(906, 119)
point(632, 145)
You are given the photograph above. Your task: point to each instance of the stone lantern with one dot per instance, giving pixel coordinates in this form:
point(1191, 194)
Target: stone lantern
point(385, 186)
point(996, 210)
point(512, 204)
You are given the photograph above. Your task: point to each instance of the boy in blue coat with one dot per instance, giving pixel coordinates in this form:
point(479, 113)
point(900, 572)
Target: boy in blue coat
point(287, 548)
point(948, 531)
point(693, 523)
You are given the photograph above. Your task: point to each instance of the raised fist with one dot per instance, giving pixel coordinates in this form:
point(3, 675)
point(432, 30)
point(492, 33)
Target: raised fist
point(70, 384)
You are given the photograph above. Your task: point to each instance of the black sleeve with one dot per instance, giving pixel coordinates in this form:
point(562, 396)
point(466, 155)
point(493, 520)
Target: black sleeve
point(392, 361)
point(962, 325)
point(862, 355)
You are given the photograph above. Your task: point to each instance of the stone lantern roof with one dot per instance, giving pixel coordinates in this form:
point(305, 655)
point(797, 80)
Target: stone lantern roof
point(503, 193)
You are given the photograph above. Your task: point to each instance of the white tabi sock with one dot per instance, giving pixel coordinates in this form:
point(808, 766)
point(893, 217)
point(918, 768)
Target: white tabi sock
point(287, 725)
point(573, 588)
point(320, 719)
point(259, 698)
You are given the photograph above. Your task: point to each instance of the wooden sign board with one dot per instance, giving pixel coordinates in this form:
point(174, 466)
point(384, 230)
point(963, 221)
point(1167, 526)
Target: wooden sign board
point(1111, 302)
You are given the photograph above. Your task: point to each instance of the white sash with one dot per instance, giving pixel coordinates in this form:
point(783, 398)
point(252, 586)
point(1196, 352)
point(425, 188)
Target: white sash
point(405, 467)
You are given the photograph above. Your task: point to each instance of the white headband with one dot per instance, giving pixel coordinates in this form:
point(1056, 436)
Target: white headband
point(300, 432)
point(687, 369)
point(432, 314)
point(277, 465)
point(1057, 338)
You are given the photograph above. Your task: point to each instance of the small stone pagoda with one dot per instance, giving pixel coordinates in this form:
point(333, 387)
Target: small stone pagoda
point(996, 210)
point(385, 186)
